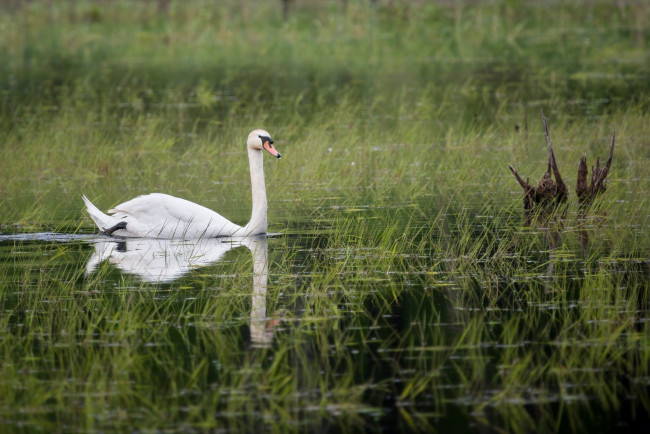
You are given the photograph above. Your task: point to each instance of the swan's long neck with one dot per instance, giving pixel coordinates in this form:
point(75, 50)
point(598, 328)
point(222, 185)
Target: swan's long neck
point(257, 224)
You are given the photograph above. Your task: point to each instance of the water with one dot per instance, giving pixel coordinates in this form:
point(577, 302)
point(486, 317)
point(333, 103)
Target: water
point(301, 331)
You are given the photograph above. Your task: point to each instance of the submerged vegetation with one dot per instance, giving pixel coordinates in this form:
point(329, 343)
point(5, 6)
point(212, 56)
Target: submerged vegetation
point(403, 287)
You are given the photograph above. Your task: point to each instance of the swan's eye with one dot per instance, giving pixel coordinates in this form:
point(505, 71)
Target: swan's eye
point(265, 139)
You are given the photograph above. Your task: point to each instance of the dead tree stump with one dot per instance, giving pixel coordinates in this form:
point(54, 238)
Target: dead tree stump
point(549, 193)
point(587, 194)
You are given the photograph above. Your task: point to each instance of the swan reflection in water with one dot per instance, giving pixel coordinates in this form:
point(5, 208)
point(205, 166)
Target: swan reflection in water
point(163, 261)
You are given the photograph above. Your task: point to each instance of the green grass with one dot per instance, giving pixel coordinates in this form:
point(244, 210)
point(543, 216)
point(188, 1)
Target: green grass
point(405, 289)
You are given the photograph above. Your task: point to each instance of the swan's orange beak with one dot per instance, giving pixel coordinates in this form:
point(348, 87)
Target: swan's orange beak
point(268, 145)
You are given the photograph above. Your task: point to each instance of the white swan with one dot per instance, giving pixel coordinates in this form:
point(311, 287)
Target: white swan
point(160, 215)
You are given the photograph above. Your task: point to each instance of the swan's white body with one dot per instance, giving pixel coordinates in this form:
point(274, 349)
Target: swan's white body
point(160, 215)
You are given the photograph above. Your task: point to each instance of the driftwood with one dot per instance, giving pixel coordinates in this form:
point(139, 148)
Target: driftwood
point(542, 201)
point(549, 193)
point(587, 194)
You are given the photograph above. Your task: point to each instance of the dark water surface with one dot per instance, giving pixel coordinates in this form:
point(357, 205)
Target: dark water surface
point(307, 330)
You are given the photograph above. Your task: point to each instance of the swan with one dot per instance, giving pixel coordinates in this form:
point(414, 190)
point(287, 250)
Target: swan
point(159, 215)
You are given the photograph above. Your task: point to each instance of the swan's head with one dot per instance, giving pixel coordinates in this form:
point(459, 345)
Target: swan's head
point(260, 139)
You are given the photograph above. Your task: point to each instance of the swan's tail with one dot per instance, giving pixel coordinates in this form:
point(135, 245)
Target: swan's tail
point(101, 220)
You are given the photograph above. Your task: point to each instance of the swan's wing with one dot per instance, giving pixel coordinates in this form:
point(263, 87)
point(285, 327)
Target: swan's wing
point(158, 204)
point(164, 216)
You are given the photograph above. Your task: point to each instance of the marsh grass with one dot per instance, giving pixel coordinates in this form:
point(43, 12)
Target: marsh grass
point(406, 290)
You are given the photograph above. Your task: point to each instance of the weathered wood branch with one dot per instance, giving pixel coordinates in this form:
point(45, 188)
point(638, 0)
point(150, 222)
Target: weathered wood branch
point(581, 186)
point(524, 184)
point(561, 190)
point(549, 192)
point(587, 194)
point(529, 190)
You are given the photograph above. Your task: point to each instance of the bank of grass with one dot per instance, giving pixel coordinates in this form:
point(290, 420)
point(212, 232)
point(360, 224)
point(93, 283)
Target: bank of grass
point(463, 59)
point(121, 98)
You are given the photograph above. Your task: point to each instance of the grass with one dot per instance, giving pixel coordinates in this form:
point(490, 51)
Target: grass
point(405, 290)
